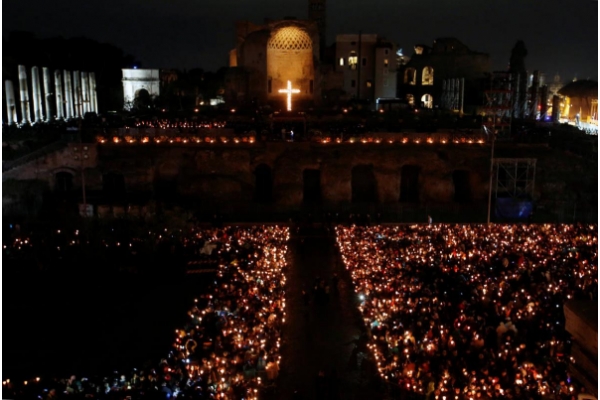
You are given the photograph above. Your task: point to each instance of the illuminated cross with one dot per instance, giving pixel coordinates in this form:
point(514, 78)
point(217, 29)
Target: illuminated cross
point(289, 92)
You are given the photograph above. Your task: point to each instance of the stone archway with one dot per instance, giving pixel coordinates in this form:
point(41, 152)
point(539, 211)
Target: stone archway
point(409, 183)
point(462, 186)
point(63, 182)
point(136, 80)
point(165, 182)
point(311, 179)
point(263, 188)
point(113, 186)
point(364, 184)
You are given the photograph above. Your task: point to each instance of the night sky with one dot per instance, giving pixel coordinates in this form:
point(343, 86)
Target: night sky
point(561, 36)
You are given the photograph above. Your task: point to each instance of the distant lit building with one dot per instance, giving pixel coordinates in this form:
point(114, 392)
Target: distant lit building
point(138, 83)
point(368, 64)
point(580, 102)
point(420, 80)
point(267, 56)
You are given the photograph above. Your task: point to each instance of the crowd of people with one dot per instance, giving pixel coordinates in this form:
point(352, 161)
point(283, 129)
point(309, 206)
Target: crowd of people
point(231, 344)
point(471, 311)
point(229, 348)
point(176, 124)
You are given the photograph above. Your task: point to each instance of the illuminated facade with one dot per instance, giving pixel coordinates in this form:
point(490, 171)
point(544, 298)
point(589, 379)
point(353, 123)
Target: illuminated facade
point(137, 80)
point(267, 56)
point(290, 59)
point(421, 79)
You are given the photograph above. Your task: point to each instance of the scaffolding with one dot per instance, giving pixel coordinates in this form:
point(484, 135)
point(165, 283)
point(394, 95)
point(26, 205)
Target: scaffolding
point(499, 103)
point(453, 93)
point(515, 178)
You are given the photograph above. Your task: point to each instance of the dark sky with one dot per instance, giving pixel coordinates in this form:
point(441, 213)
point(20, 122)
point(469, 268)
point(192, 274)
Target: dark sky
point(561, 36)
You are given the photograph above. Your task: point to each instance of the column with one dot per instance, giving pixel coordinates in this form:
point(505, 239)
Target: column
point(58, 95)
point(47, 93)
point(77, 94)
point(25, 112)
point(85, 97)
point(69, 110)
point(37, 95)
point(11, 106)
point(93, 94)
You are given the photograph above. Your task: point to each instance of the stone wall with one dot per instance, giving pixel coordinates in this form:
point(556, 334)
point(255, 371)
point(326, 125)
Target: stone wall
point(225, 174)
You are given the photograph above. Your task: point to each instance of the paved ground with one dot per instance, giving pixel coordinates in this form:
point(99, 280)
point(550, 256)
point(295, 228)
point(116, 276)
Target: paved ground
point(321, 336)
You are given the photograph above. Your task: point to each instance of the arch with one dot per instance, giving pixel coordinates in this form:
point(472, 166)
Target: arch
point(427, 101)
point(63, 182)
point(462, 187)
point(409, 183)
point(410, 76)
point(134, 80)
point(263, 188)
point(113, 185)
point(142, 92)
point(311, 179)
point(427, 76)
point(142, 99)
point(165, 181)
point(364, 184)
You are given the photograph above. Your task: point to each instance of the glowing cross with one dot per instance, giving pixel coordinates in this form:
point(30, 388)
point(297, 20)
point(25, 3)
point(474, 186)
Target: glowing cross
point(289, 92)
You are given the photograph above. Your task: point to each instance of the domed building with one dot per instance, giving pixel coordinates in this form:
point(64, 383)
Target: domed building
point(580, 101)
point(267, 56)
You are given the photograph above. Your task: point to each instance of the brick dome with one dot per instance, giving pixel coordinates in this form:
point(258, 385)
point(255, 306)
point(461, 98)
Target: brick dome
point(290, 38)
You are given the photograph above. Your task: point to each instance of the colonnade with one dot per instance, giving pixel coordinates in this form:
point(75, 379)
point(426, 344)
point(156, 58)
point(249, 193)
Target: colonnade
point(71, 95)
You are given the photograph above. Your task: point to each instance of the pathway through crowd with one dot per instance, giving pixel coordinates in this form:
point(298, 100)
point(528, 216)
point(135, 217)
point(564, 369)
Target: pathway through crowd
point(322, 331)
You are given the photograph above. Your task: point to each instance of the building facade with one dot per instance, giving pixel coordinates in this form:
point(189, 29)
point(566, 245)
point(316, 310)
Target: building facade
point(421, 80)
point(267, 56)
point(368, 64)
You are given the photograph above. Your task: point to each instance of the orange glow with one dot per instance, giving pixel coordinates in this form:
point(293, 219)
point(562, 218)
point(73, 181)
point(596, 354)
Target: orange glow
point(289, 91)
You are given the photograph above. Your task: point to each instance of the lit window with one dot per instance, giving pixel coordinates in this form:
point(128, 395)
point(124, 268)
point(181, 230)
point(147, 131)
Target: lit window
point(369, 84)
point(385, 62)
point(342, 61)
point(427, 78)
point(352, 60)
point(427, 101)
point(410, 99)
point(410, 76)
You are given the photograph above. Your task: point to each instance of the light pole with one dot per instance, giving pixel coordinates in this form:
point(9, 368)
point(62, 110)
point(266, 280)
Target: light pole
point(493, 138)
